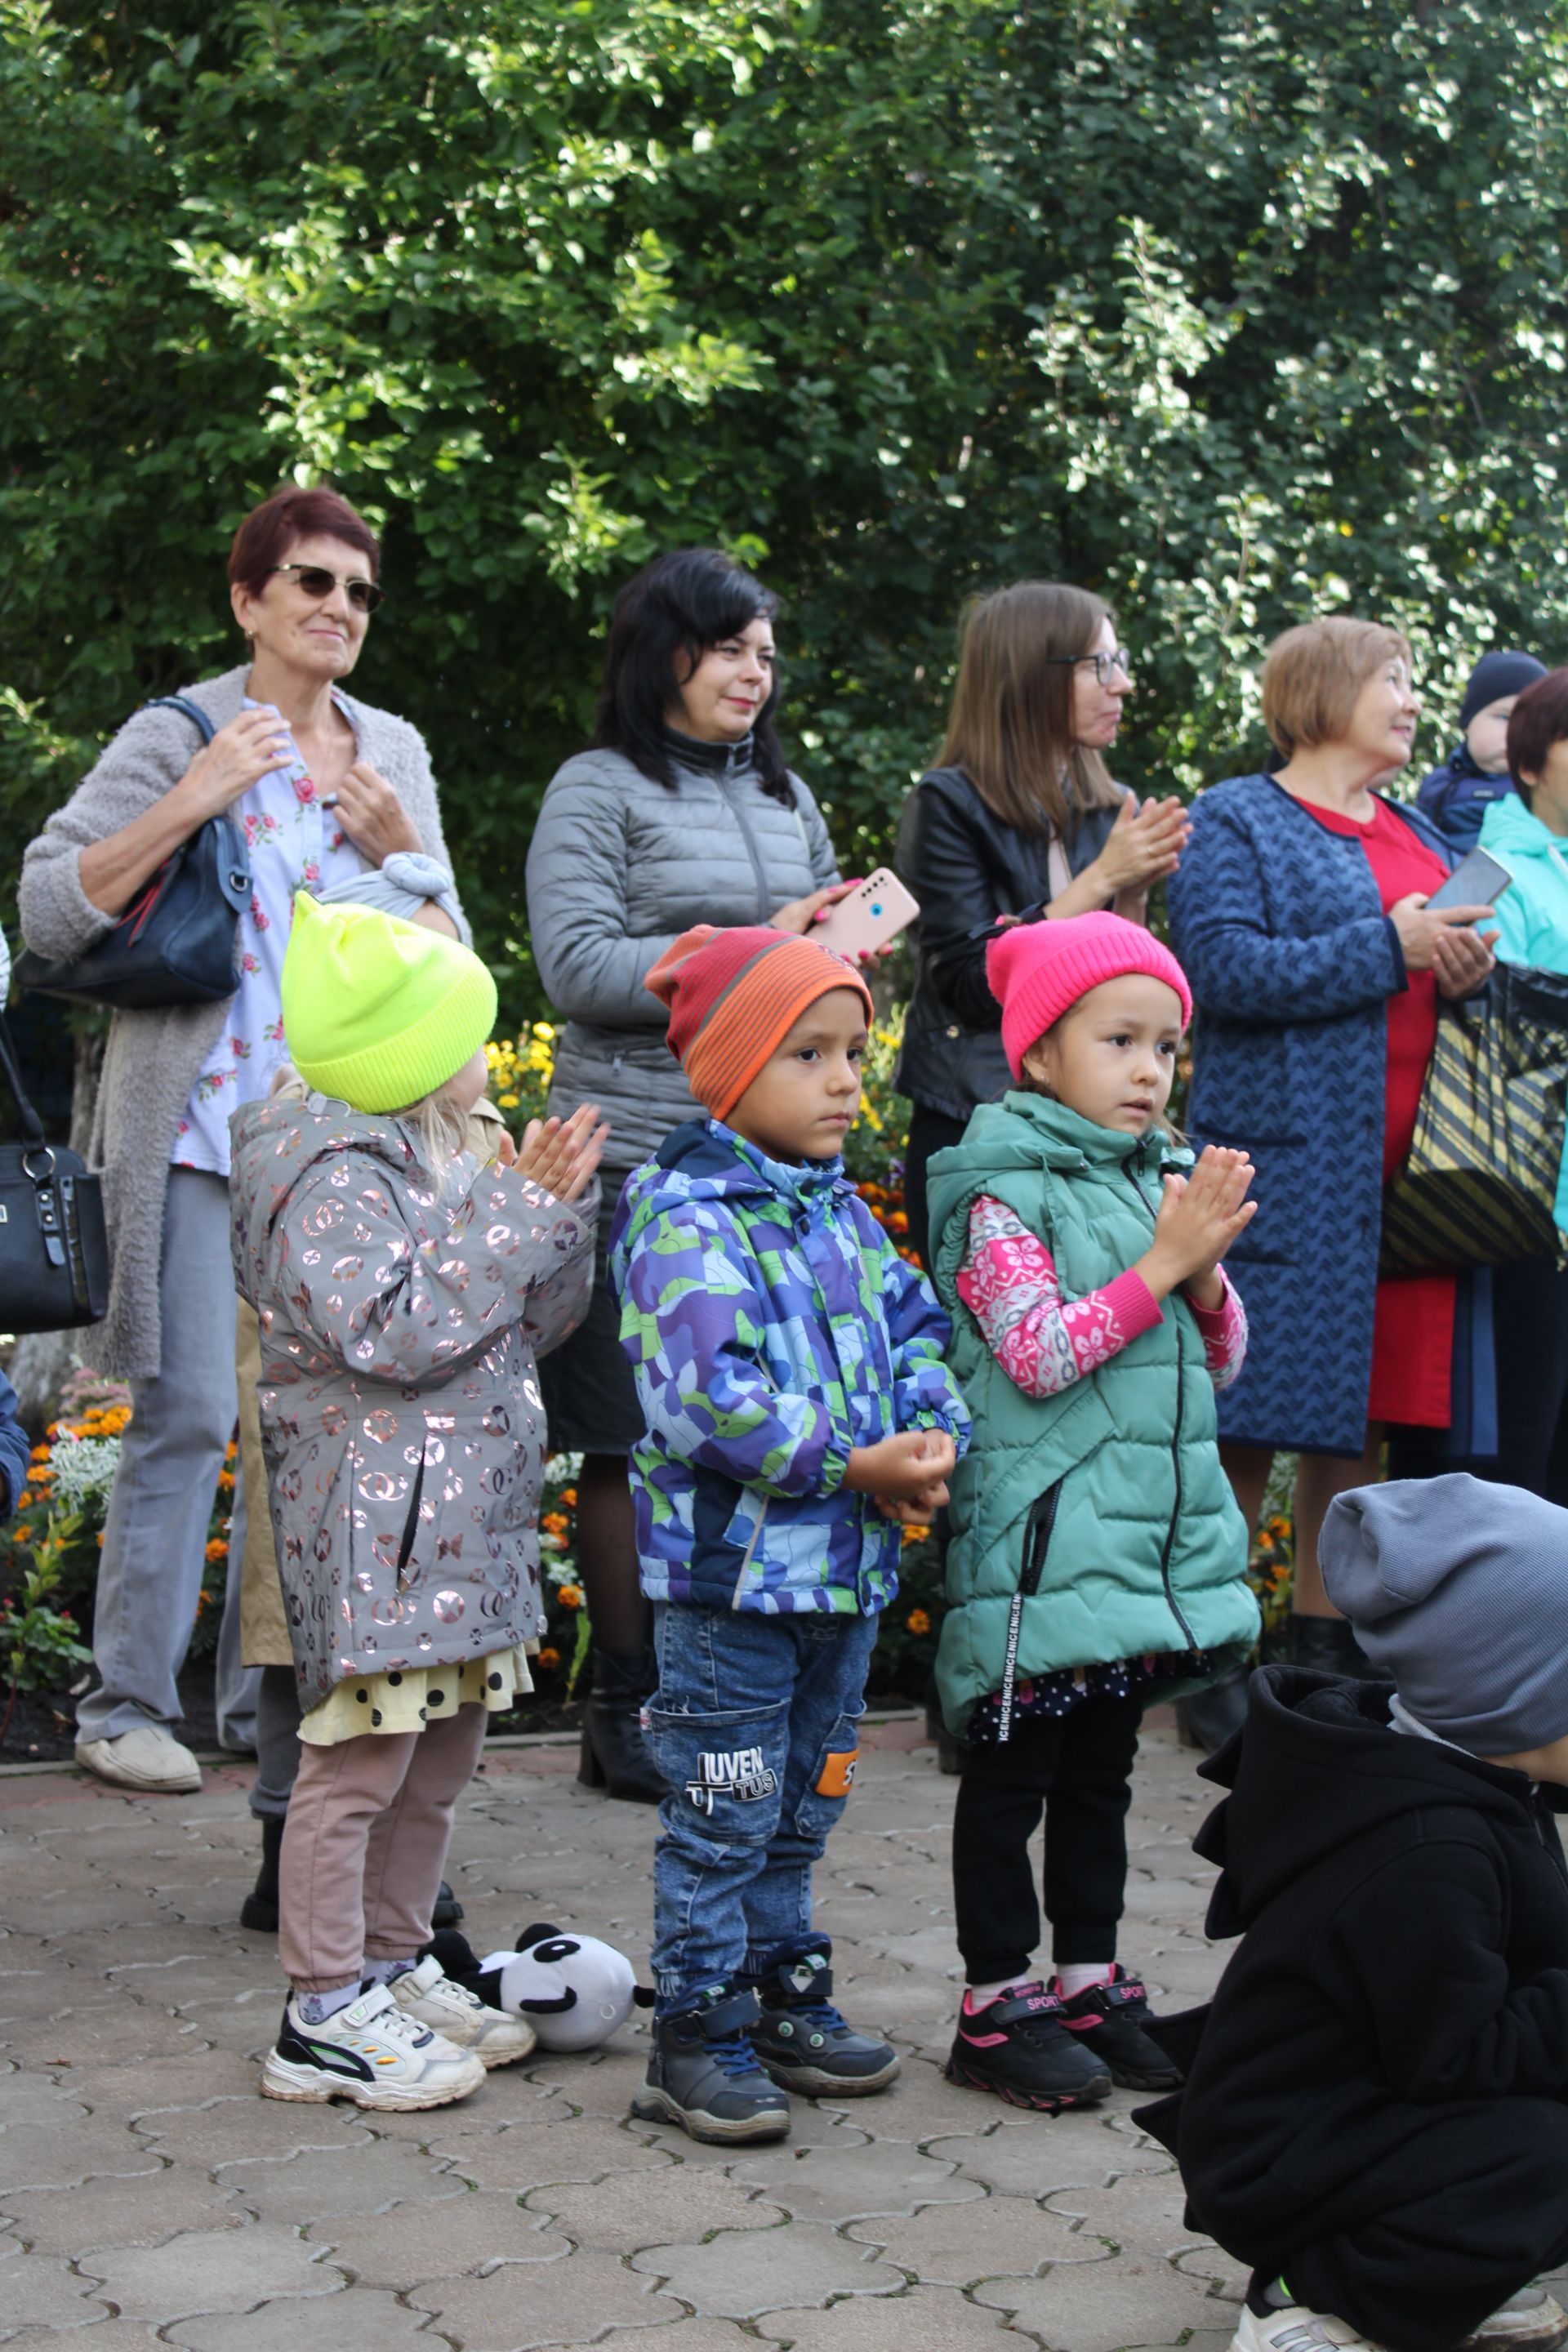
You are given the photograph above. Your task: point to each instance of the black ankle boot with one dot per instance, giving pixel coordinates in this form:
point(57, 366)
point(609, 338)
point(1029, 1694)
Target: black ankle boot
point(1208, 1718)
point(1329, 1645)
point(258, 1911)
point(615, 1754)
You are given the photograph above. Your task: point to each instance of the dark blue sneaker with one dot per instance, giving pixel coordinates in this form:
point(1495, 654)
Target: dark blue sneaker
point(704, 2074)
point(805, 2044)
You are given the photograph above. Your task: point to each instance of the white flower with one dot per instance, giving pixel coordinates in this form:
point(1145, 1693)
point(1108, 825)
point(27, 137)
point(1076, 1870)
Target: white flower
point(563, 1470)
point(84, 1470)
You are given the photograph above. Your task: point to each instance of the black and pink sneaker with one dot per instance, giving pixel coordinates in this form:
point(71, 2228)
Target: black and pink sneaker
point(1017, 2047)
point(1108, 2021)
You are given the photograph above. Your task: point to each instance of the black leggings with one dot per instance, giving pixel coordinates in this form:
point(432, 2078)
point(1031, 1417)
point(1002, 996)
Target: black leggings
point(1078, 1767)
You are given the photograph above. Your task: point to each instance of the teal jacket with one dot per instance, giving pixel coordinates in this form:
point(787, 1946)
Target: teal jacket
point(1532, 917)
point(1096, 1523)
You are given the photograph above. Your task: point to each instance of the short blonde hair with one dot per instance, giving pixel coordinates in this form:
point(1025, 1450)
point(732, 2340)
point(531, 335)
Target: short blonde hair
point(1314, 673)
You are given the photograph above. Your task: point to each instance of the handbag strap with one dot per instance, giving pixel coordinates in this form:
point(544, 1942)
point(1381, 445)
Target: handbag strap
point(32, 1125)
point(192, 710)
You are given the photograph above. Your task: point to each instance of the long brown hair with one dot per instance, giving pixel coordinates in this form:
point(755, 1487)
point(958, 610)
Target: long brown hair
point(1010, 727)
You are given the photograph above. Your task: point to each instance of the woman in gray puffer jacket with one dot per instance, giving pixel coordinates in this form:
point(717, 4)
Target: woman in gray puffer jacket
point(680, 812)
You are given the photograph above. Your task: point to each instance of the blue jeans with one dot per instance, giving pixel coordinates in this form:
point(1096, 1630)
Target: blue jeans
point(754, 1727)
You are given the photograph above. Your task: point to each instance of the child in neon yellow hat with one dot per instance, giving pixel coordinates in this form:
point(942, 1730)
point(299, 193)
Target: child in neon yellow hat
point(402, 1295)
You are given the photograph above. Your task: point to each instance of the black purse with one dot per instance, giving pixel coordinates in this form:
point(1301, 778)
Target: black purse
point(54, 1247)
point(175, 944)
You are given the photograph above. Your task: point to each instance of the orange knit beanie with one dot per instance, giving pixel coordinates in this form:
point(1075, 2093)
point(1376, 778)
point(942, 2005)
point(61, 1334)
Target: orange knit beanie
point(734, 995)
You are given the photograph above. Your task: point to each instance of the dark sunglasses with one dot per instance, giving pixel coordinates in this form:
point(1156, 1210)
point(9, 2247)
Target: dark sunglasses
point(318, 583)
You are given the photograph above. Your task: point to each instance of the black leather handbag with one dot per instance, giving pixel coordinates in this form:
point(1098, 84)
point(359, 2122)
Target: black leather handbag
point(54, 1248)
point(174, 945)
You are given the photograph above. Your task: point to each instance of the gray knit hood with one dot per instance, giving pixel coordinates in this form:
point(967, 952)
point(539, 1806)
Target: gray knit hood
point(1458, 1591)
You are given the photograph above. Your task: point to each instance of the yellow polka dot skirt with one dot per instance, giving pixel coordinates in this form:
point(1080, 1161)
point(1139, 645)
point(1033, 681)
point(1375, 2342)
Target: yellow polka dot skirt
point(420, 1695)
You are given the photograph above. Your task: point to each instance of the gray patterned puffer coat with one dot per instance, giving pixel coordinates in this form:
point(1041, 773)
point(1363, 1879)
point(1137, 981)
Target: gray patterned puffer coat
point(400, 1406)
point(618, 867)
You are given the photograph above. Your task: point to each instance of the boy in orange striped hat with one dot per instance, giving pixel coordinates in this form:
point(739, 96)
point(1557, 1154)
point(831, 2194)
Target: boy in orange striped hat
point(789, 1365)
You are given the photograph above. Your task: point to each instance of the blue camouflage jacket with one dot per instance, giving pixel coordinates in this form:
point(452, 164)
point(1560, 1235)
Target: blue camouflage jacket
point(772, 1325)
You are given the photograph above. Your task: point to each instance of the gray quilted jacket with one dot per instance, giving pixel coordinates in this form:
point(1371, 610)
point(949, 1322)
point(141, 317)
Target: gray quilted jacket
point(399, 1322)
point(618, 869)
point(153, 1058)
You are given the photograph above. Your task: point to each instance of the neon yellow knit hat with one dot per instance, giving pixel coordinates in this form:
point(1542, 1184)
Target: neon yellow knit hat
point(378, 1013)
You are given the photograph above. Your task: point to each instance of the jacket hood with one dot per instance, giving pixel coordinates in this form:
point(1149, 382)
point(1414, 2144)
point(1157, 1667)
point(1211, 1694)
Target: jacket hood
point(703, 1159)
point(1511, 827)
point(1314, 1766)
point(1024, 1129)
point(275, 1144)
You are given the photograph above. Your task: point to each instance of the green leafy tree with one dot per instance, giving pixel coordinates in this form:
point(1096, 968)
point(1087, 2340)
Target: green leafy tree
point(1237, 312)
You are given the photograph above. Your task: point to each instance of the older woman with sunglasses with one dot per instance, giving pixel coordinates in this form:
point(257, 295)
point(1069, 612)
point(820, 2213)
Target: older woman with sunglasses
point(323, 788)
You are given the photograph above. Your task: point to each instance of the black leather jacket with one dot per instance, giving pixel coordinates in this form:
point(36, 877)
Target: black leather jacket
point(966, 866)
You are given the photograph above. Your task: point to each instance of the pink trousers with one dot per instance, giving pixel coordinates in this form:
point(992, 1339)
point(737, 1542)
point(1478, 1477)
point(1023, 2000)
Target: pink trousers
point(364, 1845)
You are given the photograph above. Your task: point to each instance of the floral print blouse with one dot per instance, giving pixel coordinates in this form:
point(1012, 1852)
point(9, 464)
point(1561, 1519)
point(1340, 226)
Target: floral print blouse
point(295, 844)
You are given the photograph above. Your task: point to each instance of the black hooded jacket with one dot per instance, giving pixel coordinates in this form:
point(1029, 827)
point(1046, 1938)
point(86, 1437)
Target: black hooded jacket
point(1404, 1913)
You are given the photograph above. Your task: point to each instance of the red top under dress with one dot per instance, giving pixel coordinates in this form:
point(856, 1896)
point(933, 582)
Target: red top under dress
point(1412, 1325)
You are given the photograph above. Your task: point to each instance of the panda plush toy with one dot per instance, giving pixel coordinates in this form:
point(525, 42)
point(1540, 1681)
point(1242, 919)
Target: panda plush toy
point(572, 1990)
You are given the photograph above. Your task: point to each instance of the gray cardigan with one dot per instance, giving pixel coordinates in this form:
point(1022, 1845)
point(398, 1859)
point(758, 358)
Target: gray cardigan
point(153, 1058)
point(618, 867)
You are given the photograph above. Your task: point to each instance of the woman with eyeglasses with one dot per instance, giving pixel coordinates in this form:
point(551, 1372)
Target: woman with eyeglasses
point(1019, 821)
point(323, 788)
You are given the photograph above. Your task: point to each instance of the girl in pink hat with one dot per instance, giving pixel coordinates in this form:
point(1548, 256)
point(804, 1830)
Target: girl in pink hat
point(1097, 1559)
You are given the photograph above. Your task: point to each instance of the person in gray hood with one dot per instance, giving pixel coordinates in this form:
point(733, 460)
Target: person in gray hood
point(400, 1296)
point(680, 812)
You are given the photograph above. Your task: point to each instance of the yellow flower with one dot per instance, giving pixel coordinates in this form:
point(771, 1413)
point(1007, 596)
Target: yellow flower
point(506, 1102)
point(918, 1622)
point(570, 1596)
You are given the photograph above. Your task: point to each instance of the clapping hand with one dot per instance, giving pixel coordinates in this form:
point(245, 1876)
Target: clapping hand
point(1199, 1217)
point(561, 1156)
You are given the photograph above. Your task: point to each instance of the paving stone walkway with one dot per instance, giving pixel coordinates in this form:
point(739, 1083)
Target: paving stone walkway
point(148, 2196)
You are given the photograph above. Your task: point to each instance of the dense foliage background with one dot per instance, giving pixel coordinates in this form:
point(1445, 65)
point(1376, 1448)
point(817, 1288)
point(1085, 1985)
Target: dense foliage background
point(1236, 311)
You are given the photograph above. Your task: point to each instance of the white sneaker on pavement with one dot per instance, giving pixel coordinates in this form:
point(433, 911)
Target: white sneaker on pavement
point(369, 2052)
point(148, 1758)
point(1531, 2321)
point(1294, 2329)
point(494, 2036)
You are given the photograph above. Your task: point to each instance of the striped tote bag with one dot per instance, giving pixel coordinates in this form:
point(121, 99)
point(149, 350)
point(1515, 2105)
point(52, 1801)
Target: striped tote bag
point(1480, 1185)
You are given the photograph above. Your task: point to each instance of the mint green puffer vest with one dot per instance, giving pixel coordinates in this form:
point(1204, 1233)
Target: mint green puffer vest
point(1104, 1508)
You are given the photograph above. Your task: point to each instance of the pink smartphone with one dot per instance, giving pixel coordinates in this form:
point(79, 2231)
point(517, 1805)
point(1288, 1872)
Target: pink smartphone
point(868, 917)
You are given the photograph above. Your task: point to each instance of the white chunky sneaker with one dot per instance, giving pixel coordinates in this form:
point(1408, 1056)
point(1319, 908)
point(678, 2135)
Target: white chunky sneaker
point(496, 2038)
point(369, 2052)
point(1294, 2329)
point(149, 1758)
point(1530, 2321)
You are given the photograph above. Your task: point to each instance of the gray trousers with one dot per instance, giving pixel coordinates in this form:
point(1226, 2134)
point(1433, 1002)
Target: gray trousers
point(155, 1535)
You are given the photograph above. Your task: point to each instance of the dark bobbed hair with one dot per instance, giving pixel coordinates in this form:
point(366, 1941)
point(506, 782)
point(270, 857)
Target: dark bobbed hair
point(680, 603)
point(1539, 720)
point(270, 529)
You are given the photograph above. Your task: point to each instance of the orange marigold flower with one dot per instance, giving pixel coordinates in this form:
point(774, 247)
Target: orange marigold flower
point(570, 1596)
point(549, 1658)
point(230, 1451)
point(98, 1539)
point(23, 1534)
point(555, 1523)
point(569, 1496)
point(916, 1534)
point(218, 1550)
point(226, 1481)
point(39, 1453)
point(918, 1622)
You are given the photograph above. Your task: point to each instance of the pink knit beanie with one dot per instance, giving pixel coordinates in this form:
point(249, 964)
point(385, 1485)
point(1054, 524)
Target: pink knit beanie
point(1039, 971)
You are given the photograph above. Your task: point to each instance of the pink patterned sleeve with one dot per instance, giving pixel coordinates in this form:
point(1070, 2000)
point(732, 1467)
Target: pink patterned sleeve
point(1042, 1342)
point(1224, 1331)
